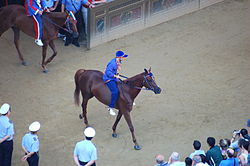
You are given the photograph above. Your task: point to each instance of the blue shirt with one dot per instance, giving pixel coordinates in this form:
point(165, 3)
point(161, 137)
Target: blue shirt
point(110, 71)
point(73, 5)
point(6, 128)
point(50, 3)
point(85, 151)
point(30, 142)
point(33, 6)
point(230, 162)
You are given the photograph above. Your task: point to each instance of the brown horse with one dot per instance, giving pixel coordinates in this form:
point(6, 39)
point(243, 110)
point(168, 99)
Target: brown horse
point(14, 16)
point(90, 83)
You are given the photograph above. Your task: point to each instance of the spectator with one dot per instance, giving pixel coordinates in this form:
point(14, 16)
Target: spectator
point(197, 161)
point(160, 160)
point(51, 4)
point(174, 160)
point(197, 148)
point(204, 159)
point(85, 151)
point(231, 160)
point(188, 161)
point(74, 6)
point(6, 135)
point(213, 155)
point(30, 145)
point(237, 135)
point(243, 157)
point(85, 12)
point(224, 144)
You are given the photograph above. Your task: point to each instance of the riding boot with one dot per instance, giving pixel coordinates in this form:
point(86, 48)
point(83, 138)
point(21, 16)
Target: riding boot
point(69, 39)
point(75, 42)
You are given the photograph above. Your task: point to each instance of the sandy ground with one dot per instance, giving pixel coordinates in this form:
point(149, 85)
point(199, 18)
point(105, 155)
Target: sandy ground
point(201, 61)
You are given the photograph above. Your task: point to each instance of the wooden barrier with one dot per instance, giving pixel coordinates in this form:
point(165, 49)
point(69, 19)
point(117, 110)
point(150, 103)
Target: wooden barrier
point(118, 18)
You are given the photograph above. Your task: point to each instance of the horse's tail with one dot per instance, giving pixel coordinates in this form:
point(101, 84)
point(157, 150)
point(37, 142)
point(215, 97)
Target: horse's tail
point(77, 88)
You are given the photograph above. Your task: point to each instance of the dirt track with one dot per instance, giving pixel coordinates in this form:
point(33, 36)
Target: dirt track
point(201, 61)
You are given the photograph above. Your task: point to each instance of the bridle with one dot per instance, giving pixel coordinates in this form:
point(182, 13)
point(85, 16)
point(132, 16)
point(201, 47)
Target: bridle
point(58, 26)
point(145, 80)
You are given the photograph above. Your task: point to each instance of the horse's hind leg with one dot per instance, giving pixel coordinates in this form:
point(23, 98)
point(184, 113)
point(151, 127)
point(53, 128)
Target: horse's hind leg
point(118, 118)
point(16, 41)
point(52, 46)
point(85, 100)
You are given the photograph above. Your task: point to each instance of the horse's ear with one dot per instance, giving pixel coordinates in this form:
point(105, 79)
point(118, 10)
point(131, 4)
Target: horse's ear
point(149, 70)
point(146, 71)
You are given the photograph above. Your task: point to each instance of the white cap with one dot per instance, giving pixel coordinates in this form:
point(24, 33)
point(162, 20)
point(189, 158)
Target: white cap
point(89, 132)
point(4, 108)
point(35, 126)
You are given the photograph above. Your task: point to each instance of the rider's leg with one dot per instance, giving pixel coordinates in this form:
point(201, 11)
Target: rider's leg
point(114, 95)
point(38, 29)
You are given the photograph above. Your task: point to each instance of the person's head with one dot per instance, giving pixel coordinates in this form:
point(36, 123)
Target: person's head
point(175, 157)
point(34, 127)
point(243, 133)
point(211, 141)
point(224, 143)
point(243, 144)
point(197, 159)
point(203, 158)
point(197, 145)
point(159, 159)
point(230, 153)
point(5, 109)
point(188, 161)
point(120, 55)
point(89, 133)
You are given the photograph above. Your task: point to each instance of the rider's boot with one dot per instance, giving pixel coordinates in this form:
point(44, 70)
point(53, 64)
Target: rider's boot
point(39, 42)
point(111, 111)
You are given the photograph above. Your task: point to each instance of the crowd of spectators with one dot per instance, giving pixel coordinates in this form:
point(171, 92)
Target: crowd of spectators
point(229, 152)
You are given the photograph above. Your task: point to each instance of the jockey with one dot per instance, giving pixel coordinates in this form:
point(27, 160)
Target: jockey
point(35, 9)
point(111, 76)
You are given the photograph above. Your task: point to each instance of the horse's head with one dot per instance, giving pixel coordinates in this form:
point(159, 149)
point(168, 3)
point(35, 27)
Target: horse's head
point(149, 82)
point(71, 24)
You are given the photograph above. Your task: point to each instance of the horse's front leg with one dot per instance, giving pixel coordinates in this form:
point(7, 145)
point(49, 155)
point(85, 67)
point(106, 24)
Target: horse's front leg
point(127, 117)
point(118, 118)
point(16, 41)
point(45, 46)
point(52, 46)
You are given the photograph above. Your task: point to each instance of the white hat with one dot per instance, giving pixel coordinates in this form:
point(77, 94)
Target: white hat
point(4, 108)
point(35, 126)
point(89, 132)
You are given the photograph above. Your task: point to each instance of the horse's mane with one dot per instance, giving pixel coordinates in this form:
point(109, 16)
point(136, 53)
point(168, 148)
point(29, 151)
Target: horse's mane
point(56, 15)
point(132, 80)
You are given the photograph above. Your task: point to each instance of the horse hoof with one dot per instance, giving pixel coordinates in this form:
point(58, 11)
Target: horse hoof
point(114, 135)
point(80, 116)
point(45, 70)
point(25, 63)
point(137, 147)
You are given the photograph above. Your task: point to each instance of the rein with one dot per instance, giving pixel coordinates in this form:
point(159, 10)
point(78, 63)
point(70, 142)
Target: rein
point(136, 87)
point(58, 26)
